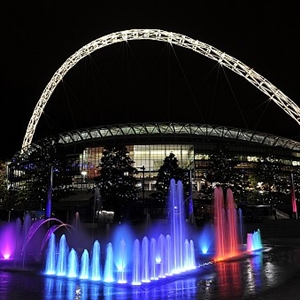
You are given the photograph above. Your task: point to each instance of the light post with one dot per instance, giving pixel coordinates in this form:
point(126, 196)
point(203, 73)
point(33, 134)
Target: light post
point(84, 173)
point(143, 182)
point(49, 194)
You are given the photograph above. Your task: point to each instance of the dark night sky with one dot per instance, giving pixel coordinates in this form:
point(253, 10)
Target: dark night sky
point(145, 81)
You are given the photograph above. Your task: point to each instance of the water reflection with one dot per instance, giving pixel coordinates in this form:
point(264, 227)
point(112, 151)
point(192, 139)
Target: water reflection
point(236, 279)
point(229, 280)
point(254, 272)
point(59, 288)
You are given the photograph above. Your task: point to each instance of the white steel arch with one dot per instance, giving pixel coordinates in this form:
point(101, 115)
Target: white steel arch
point(181, 40)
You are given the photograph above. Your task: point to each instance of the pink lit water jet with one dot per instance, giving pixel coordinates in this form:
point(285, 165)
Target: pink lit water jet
point(21, 241)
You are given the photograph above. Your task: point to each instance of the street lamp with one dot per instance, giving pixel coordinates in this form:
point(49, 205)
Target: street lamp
point(143, 182)
point(84, 173)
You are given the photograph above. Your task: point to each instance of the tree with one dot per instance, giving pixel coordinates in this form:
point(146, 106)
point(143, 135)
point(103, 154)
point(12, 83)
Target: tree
point(168, 170)
point(117, 184)
point(222, 170)
point(268, 172)
point(44, 159)
point(6, 201)
point(3, 183)
point(222, 167)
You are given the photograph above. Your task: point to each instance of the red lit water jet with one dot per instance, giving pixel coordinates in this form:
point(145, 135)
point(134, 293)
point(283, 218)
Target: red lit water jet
point(233, 242)
point(225, 225)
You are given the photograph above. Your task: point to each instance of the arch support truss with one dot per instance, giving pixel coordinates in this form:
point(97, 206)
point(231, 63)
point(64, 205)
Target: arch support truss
point(261, 83)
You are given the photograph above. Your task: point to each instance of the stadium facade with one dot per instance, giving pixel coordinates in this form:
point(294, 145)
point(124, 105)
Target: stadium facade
point(192, 144)
point(150, 143)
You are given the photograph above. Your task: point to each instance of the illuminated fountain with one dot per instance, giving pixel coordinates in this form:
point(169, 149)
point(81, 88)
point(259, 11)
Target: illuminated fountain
point(162, 251)
point(127, 259)
point(254, 241)
point(227, 228)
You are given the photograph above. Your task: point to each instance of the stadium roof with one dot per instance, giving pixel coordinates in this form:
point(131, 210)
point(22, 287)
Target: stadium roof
point(162, 131)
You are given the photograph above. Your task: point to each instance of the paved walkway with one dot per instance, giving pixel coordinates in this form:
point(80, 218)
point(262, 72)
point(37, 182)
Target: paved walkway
point(289, 290)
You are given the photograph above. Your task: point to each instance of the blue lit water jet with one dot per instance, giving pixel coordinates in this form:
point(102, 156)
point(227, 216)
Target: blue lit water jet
point(153, 275)
point(122, 262)
point(109, 264)
point(136, 276)
point(51, 258)
point(85, 261)
point(72, 264)
point(145, 260)
point(95, 263)
point(161, 256)
point(61, 267)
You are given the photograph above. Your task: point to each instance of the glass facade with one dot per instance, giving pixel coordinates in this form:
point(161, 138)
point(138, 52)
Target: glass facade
point(149, 157)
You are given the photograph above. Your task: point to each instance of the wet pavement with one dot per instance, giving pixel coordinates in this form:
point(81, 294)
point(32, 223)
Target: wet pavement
point(289, 287)
point(270, 273)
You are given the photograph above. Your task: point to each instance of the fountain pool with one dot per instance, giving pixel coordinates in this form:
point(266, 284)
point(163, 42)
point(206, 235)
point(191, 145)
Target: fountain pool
point(166, 250)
